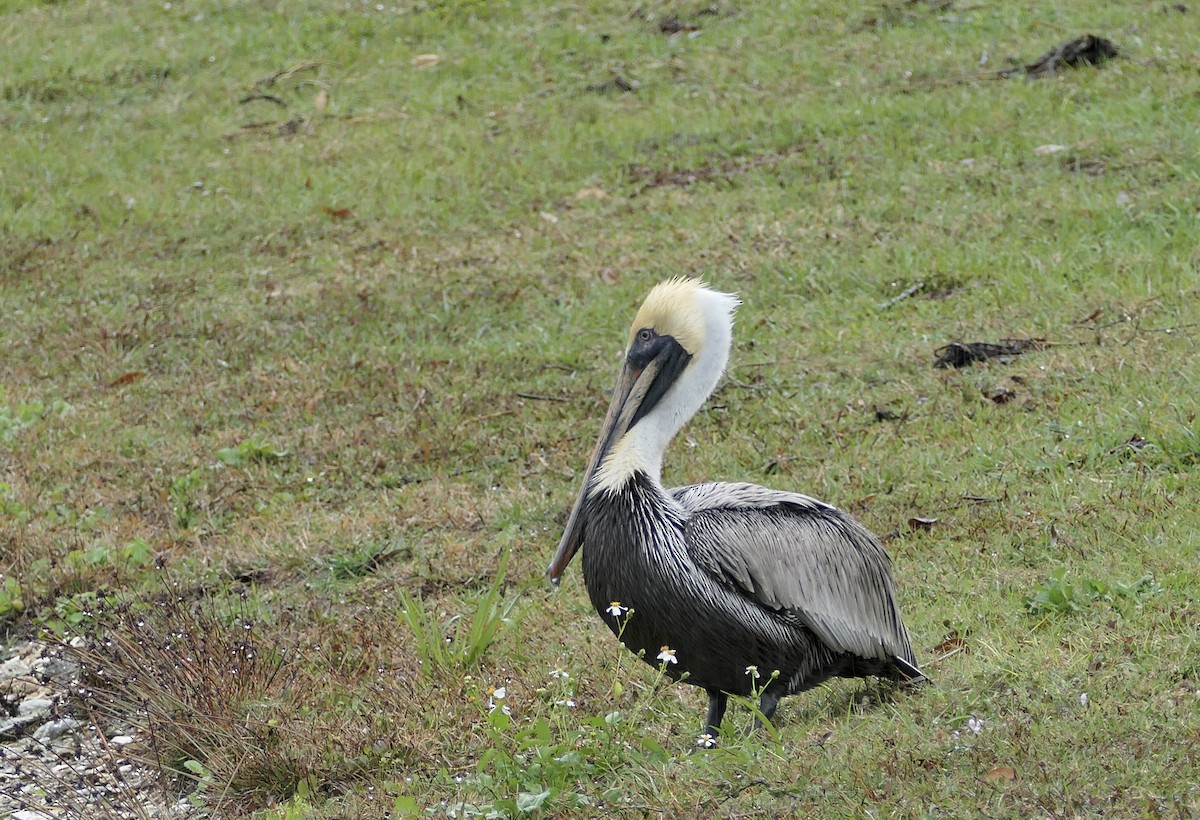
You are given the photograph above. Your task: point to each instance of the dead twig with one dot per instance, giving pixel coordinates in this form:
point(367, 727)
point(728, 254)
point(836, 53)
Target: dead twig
point(1169, 329)
point(264, 97)
point(286, 73)
point(904, 294)
point(540, 397)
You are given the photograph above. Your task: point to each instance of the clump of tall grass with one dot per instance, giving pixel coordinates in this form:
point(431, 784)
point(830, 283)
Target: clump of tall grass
point(219, 701)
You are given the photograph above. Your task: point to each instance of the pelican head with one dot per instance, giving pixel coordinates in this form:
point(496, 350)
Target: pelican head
point(677, 350)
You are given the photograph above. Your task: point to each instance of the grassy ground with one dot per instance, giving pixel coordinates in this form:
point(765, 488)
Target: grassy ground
point(309, 311)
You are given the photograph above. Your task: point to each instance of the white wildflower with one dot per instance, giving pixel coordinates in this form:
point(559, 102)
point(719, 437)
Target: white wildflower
point(667, 655)
point(616, 610)
point(496, 697)
point(974, 725)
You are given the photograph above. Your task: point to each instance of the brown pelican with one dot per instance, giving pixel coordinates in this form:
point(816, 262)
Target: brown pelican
point(727, 583)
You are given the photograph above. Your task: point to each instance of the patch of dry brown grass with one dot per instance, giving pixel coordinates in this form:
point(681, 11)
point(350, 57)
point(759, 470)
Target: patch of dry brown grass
point(237, 710)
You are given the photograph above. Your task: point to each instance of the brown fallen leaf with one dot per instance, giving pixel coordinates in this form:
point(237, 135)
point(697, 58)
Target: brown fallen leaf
point(951, 643)
point(1001, 774)
point(673, 25)
point(916, 523)
point(127, 378)
point(1001, 395)
point(337, 213)
point(425, 61)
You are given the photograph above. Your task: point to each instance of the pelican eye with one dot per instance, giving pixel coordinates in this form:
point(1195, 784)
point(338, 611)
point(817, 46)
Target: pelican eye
point(645, 335)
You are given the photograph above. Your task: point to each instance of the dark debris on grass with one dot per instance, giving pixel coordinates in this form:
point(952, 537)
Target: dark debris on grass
point(1088, 50)
point(963, 354)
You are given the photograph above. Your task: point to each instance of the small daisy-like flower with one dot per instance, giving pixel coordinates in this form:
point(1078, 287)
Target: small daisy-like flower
point(496, 697)
point(975, 725)
point(559, 674)
point(569, 703)
point(1083, 699)
point(616, 610)
point(667, 655)
point(752, 671)
point(706, 741)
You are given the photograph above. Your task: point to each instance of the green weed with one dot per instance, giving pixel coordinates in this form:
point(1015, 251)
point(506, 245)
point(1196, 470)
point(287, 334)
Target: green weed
point(1061, 596)
point(11, 509)
point(363, 559)
point(14, 419)
point(248, 452)
point(184, 502)
point(459, 644)
point(11, 600)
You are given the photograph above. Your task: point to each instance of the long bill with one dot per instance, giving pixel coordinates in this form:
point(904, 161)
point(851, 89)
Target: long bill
point(616, 422)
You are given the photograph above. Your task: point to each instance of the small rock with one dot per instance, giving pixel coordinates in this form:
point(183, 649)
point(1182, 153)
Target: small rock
point(56, 669)
point(30, 814)
point(56, 728)
point(13, 728)
point(14, 668)
point(121, 740)
point(20, 688)
point(35, 707)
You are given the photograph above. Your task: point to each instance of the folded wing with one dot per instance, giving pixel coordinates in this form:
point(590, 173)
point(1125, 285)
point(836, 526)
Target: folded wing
point(794, 554)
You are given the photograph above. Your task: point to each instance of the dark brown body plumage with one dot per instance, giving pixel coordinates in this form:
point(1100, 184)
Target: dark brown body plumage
point(698, 568)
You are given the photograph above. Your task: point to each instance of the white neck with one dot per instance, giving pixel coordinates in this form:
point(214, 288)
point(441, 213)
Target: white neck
point(641, 449)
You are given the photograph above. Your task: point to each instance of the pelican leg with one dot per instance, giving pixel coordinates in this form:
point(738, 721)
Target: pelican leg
point(717, 701)
point(767, 704)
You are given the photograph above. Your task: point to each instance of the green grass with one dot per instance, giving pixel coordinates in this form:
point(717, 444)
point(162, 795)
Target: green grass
point(343, 351)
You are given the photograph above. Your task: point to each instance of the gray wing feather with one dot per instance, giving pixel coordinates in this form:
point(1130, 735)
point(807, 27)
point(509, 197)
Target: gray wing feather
point(793, 553)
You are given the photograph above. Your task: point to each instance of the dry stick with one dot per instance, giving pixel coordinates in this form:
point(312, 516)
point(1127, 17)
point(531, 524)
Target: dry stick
point(264, 97)
point(900, 297)
point(970, 499)
point(540, 397)
point(945, 656)
point(282, 74)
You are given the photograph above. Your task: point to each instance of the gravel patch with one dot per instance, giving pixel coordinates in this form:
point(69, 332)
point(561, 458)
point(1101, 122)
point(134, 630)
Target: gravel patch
point(56, 763)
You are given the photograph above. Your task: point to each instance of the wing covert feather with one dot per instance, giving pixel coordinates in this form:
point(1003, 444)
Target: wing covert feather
point(792, 553)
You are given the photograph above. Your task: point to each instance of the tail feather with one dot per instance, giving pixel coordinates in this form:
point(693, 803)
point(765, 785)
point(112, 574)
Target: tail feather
point(909, 672)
